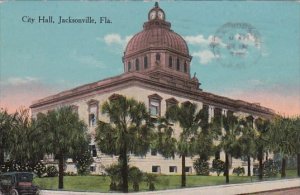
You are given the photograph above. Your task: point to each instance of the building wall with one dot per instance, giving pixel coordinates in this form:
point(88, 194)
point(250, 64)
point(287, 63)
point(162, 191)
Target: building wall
point(145, 163)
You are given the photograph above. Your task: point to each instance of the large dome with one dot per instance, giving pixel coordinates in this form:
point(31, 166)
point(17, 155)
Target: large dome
point(156, 34)
point(156, 37)
point(157, 48)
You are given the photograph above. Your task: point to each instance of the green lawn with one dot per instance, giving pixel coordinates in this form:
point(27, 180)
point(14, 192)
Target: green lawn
point(101, 183)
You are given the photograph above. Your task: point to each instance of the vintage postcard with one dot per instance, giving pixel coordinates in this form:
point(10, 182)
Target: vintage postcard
point(238, 59)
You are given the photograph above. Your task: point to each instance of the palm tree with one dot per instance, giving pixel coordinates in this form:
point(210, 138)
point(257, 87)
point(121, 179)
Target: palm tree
point(164, 141)
point(261, 141)
point(246, 141)
point(231, 127)
point(129, 131)
point(6, 123)
point(64, 133)
point(189, 120)
point(281, 138)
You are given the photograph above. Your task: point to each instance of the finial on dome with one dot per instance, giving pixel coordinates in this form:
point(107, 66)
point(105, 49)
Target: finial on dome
point(156, 4)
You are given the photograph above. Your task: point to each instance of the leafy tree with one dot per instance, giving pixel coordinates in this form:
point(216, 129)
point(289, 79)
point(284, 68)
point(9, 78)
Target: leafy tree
point(26, 140)
point(281, 139)
point(189, 120)
point(296, 141)
point(262, 141)
point(64, 135)
point(6, 123)
point(130, 130)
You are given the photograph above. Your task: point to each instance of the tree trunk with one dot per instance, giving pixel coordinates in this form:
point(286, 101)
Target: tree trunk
point(283, 164)
point(260, 169)
point(298, 164)
point(267, 156)
point(226, 167)
point(249, 165)
point(61, 172)
point(1, 156)
point(183, 175)
point(124, 170)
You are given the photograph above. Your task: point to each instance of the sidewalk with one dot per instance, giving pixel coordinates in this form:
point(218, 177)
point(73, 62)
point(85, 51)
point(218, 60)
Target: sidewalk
point(220, 189)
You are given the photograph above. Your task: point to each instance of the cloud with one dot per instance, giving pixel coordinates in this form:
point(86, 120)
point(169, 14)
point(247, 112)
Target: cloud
point(205, 56)
point(116, 39)
point(16, 81)
point(199, 40)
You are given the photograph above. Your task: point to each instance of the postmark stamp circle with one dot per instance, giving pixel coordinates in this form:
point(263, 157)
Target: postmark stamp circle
point(237, 44)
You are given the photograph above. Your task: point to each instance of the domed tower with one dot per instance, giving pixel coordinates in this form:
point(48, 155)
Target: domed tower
point(157, 48)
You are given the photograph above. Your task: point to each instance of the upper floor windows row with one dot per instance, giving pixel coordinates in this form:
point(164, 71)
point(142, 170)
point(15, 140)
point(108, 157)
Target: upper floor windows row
point(136, 65)
point(178, 65)
point(155, 104)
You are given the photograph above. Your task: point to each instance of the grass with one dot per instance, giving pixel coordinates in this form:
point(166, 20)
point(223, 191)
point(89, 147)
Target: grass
point(101, 183)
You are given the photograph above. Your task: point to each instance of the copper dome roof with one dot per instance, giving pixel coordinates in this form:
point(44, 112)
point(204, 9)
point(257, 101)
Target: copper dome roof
point(156, 38)
point(156, 35)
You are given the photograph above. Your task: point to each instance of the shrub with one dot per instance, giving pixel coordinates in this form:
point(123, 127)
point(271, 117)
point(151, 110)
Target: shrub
point(70, 174)
point(201, 167)
point(151, 179)
point(218, 166)
point(114, 172)
point(39, 169)
point(270, 168)
point(52, 171)
point(83, 163)
point(135, 176)
point(239, 171)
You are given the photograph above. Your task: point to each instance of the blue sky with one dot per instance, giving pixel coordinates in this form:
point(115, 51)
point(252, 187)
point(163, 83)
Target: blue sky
point(37, 60)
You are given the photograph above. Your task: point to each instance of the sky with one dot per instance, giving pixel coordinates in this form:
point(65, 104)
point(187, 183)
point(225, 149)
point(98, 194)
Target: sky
point(41, 59)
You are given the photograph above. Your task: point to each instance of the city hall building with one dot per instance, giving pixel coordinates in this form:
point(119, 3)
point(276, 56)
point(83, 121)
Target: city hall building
point(157, 72)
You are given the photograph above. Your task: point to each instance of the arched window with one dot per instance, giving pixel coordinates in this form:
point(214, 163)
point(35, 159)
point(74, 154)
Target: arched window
point(157, 57)
point(178, 64)
point(137, 64)
point(129, 66)
point(145, 62)
point(185, 67)
point(170, 62)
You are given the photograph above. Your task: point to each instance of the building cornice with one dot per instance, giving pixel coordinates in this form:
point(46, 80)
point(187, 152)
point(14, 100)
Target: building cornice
point(137, 79)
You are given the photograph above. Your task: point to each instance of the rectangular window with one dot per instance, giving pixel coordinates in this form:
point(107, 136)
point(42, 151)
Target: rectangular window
point(172, 169)
point(93, 168)
point(154, 107)
point(153, 152)
point(93, 150)
point(145, 62)
point(188, 169)
point(178, 65)
point(155, 169)
point(93, 115)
